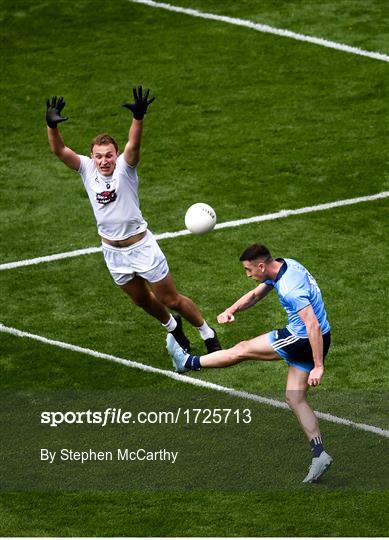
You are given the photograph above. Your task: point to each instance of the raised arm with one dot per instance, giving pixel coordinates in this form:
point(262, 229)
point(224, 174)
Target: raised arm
point(138, 109)
point(57, 145)
point(246, 301)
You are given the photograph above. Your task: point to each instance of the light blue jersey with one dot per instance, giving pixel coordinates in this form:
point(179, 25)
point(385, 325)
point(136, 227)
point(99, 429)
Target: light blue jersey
point(297, 289)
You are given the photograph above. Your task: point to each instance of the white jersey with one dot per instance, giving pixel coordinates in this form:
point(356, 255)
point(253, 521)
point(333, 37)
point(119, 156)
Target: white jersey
point(114, 199)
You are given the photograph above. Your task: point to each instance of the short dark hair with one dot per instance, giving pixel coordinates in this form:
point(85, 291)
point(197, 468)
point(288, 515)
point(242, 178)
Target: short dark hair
point(255, 252)
point(103, 138)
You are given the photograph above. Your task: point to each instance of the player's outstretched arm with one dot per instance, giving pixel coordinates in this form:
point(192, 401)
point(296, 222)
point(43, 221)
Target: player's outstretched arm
point(246, 301)
point(138, 109)
point(57, 145)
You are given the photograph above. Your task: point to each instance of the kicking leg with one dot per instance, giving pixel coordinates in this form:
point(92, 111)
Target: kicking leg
point(258, 348)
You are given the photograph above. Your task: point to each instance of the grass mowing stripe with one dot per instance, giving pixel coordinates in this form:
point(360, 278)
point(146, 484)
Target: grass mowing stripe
point(227, 224)
point(266, 29)
point(189, 380)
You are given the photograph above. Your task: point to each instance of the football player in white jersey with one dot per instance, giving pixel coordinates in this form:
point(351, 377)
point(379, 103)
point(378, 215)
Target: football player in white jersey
point(303, 343)
point(132, 255)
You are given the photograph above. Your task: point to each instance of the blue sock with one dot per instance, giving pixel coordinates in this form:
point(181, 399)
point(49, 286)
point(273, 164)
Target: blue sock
point(193, 363)
point(316, 446)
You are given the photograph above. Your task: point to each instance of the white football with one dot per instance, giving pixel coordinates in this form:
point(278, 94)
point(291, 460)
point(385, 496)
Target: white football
point(200, 218)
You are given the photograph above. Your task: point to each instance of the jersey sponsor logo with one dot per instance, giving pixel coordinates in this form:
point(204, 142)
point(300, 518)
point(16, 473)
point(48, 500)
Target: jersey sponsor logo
point(106, 197)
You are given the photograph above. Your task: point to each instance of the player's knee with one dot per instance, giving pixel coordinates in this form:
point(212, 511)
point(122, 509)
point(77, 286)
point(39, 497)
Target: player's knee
point(294, 398)
point(240, 351)
point(172, 302)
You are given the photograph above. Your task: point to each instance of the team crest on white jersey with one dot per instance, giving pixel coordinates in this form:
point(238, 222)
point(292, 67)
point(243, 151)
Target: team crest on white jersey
point(106, 197)
point(105, 189)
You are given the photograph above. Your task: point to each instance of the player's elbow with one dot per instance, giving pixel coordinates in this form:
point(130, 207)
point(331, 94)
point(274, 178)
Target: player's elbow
point(57, 152)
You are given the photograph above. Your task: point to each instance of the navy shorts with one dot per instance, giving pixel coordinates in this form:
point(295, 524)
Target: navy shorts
point(294, 350)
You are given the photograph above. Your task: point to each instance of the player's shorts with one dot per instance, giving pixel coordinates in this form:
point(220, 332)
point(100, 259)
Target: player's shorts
point(294, 350)
point(144, 258)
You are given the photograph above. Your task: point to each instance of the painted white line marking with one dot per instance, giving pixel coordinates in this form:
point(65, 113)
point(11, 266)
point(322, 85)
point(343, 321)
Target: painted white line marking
point(236, 223)
point(49, 258)
point(266, 29)
point(188, 380)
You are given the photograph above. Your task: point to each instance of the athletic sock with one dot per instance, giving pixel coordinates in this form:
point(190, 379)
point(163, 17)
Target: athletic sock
point(205, 331)
point(316, 446)
point(171, 324)
point(193, 363)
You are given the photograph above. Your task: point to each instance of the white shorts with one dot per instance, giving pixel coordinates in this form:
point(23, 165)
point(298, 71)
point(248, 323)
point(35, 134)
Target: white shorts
point(144, 258)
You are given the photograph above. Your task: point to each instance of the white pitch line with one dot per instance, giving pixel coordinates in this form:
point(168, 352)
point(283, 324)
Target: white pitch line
point(189, 380)
point(266, 29)
point(236, 223)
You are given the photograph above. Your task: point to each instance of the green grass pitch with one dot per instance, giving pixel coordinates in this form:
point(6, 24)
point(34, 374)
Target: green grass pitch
point(250, 123)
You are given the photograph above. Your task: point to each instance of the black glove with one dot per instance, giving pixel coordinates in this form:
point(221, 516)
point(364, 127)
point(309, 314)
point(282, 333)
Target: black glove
point(139, 108)
point(53, 113)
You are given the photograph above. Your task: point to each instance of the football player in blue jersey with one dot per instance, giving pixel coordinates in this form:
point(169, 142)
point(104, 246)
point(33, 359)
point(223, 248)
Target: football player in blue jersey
point(303, 343)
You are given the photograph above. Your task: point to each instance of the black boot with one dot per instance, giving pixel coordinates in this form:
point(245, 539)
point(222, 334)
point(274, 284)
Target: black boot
point(179, 335)
point(213, 343)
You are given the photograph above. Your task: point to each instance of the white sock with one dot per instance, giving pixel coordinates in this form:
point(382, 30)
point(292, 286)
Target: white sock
point(205, 331)
point(171, 324)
